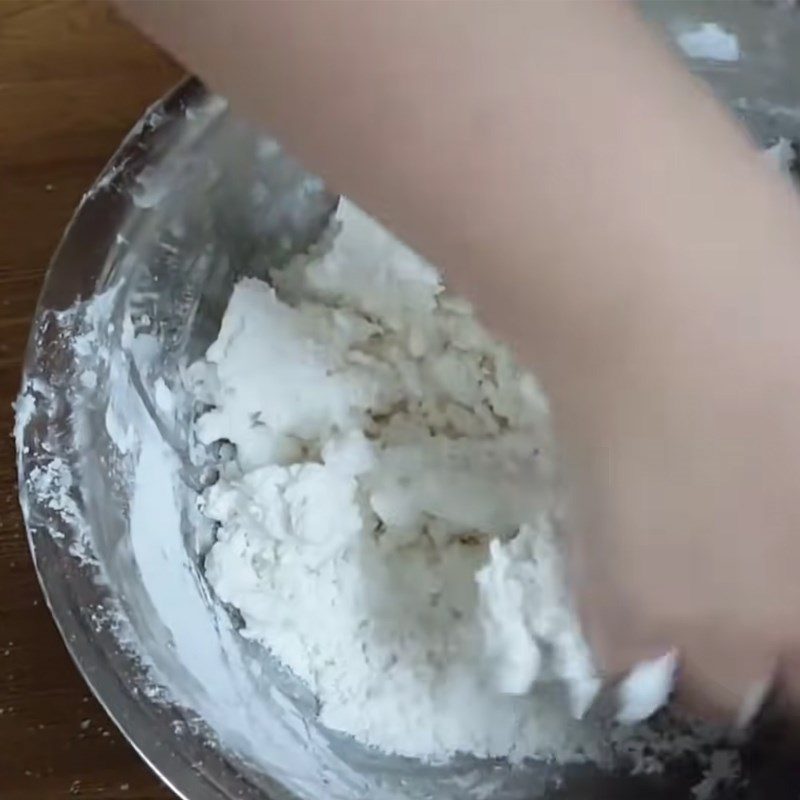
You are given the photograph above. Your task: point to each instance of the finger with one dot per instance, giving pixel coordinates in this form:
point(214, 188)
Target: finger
point(618, 636)
point(724, 680)
point(788, 685)
point(615, 635)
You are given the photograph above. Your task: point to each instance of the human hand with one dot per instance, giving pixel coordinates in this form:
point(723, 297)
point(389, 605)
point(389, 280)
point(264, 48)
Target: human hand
point(684, 463)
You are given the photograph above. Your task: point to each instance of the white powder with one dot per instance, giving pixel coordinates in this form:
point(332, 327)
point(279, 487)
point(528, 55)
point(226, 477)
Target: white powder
point(385, 528)
point(709, 40)
point(781, 156)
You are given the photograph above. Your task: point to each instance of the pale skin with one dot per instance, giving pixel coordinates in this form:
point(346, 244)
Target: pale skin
point(609, 220)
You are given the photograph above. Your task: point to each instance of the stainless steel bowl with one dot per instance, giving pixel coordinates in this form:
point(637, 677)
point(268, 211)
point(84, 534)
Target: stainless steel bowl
point(192, 201)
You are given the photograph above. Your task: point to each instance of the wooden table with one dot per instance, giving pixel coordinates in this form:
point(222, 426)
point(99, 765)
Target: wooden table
point(73, 79)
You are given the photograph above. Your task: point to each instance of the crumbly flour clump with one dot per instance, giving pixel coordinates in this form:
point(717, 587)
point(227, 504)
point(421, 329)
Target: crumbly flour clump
point(385, 525)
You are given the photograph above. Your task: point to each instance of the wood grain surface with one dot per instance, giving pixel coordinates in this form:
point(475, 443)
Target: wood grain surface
point(73, 80)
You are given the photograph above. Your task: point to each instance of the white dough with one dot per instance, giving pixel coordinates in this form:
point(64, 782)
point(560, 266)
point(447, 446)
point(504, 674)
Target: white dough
point(386, 526)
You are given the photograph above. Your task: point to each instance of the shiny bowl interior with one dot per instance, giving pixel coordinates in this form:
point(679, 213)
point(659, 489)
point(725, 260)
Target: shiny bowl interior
point(192, 201)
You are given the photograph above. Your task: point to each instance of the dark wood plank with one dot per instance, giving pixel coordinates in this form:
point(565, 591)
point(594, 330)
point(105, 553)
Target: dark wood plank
point(73, 79)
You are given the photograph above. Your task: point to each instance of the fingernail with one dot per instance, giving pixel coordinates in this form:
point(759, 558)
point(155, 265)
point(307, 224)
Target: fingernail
point(646, 688)
point(752, 703)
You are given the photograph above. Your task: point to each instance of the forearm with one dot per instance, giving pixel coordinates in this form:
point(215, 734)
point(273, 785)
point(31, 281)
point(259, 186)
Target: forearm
point(550, 157)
